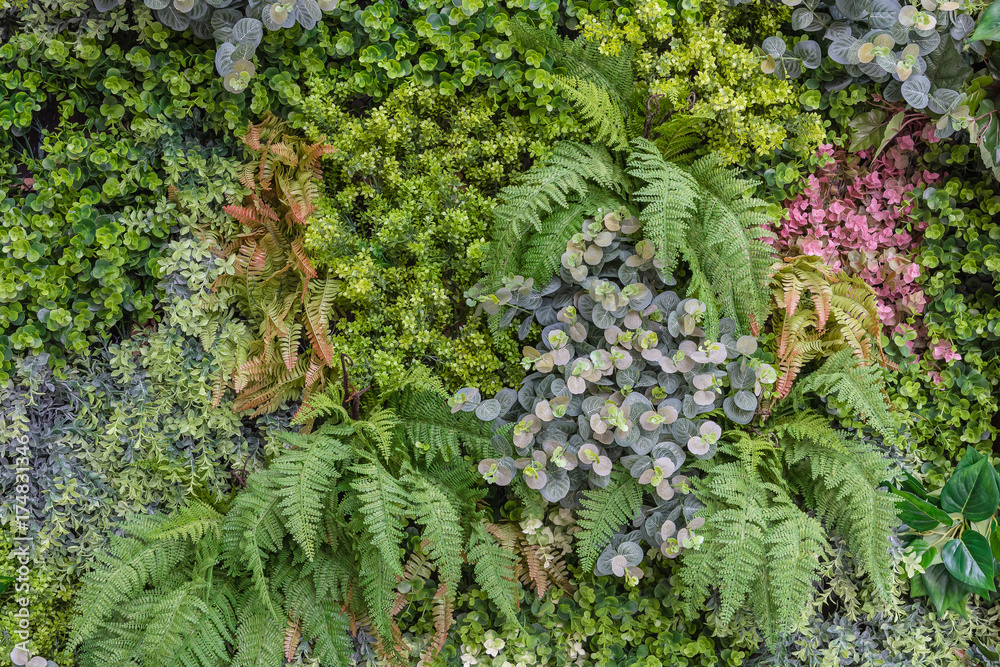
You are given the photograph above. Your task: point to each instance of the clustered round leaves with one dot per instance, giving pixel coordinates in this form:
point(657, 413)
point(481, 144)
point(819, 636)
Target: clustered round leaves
point(622, 380)
point(236, 26)
point(915, 50)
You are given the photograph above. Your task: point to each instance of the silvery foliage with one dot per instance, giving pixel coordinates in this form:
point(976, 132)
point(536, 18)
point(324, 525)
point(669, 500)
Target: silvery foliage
point(622, 381)
point(915, 50)
point(58, 501)
point(237, 26)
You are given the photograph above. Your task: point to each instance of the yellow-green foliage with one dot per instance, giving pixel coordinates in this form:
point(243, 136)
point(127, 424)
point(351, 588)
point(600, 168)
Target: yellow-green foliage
point(752, 114)
point(613, 28)
point(48, 603)
point(404, 227)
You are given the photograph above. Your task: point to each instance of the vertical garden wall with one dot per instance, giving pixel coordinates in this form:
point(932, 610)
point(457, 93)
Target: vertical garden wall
point(500, 333)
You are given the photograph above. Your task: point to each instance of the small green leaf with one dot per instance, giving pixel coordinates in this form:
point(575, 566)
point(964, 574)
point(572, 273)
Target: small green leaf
point(925, 551)
point(965, 558)
point(989, 24)
point(918, 514)
point(972, 490)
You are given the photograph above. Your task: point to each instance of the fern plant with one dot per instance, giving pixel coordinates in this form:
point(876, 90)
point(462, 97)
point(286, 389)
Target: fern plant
point(314, 545)
point(762, 546)
point(818, 313)
point(602, 88)
point(273, 280)
point(699, 212)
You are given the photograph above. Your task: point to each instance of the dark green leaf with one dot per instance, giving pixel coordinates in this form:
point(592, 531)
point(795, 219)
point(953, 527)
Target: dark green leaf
point(919, 514)
point(945, 591)
point(964, 560)
point(989, 24)
point(946, 65)
point(988, 652)
point(972, 490)
point(995, 541)
point(913, 485)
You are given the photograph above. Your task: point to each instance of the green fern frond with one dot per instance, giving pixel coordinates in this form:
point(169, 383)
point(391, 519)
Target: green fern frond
point(426, 419)
point(670, 197)
point(603, 512)
point(566, 175)
point(496, 571)
point(193, 522)
point(840, 478)
point(383, 508)
point(378, 587)
point(258, 636)
point(119, 574)
point(678, 136)
point(729, 239)
point(441, 527)
point(858, 385)
point(760, 550)
point(253, 529)
point(540, 256)
point(323, 624)
point(600, 86)
point(604, 114)
point(301, 477)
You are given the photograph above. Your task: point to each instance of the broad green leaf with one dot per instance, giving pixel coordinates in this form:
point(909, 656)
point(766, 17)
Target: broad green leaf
point(972, 490)
point(866, 129)
point(989, 24)
point(965, 558)
point(944, 590)
point(990, 653)
point(924, 551)
point(995, 542)
point(913, 485)
point(989, 136)
point(891, 130)
point(971, 456)
point(918, 514)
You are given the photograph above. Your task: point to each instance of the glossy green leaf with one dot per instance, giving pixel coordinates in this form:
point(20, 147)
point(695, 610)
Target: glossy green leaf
point(918, 514)
point(969, 560)
point(972, 490)
point(924, 552)
point(945, 591)
point(913, 485)
point(990, 653)
point(866, 129)
point(995, 541)
point(989, 24)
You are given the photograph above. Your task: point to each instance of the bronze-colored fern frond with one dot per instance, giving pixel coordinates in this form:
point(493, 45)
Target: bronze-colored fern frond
point(273, 278)
point(817, 313)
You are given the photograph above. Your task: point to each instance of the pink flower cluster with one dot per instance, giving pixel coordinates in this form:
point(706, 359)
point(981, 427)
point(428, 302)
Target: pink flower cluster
point(855, 214)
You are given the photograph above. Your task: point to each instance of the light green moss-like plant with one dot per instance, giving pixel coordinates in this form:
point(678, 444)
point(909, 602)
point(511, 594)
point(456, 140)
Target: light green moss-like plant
point(404, 228)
